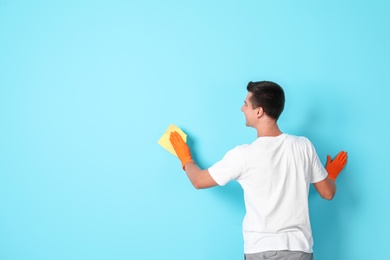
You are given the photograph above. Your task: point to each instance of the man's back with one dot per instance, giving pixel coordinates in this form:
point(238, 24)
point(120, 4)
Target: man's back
point(275, 173)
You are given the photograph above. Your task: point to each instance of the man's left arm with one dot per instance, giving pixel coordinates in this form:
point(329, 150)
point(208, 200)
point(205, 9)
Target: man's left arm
point(199, 178)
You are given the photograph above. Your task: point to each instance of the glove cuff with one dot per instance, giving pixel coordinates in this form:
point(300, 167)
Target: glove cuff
point(186, 160)
point(333, 175)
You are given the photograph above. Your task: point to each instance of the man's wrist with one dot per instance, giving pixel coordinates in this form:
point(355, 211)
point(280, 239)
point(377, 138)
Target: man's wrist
point(188, 162)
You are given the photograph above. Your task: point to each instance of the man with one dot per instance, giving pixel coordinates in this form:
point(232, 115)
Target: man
point(275, 172)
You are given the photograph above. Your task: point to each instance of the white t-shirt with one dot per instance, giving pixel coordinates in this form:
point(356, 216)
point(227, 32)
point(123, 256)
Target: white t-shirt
point(275, 174)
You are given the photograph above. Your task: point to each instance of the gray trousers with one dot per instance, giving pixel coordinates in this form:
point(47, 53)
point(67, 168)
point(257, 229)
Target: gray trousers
point(280, 255)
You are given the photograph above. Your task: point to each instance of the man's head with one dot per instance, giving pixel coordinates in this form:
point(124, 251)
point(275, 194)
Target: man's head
point(267, 95)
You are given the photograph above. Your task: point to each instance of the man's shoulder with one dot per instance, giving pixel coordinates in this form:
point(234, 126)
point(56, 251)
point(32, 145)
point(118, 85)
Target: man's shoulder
point(298, 139)
point(284, 138)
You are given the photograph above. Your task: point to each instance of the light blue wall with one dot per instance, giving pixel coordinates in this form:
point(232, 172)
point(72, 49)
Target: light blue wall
point(88, 87)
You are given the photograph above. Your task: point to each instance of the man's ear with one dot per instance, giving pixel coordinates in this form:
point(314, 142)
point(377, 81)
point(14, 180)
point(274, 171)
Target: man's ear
point(260, 112)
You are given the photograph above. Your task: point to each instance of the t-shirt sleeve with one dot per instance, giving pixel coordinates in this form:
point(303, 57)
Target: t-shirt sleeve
point(229, 168)
point(318, 171)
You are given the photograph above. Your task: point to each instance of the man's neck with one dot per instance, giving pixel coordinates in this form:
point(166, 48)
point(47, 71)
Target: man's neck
point(268, 129)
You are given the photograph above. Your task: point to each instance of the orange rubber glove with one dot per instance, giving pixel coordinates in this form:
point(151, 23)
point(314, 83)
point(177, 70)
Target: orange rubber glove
point(336, 166)
point(181, 148)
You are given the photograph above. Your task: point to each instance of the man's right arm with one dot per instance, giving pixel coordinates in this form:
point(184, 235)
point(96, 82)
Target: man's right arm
point(327, 187)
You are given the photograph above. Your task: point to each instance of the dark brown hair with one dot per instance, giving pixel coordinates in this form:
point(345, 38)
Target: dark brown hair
point(269, 96)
